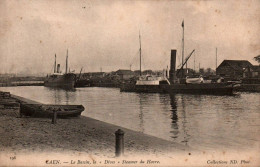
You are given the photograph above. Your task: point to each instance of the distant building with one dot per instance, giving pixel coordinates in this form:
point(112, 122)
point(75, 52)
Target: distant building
point(125, 74)
point(251, 72)
point(232, 68)
point(93, 74)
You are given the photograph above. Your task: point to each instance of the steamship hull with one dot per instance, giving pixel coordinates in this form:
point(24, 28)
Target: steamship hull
point(63, 81)
point(202, 88)
point(143, 88)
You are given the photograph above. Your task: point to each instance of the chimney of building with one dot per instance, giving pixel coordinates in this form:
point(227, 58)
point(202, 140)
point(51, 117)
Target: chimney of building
point(173, 65)
point(58, 68)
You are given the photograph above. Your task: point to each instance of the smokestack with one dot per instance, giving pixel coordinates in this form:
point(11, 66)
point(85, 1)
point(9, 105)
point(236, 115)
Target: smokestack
point(173, 65)
point(66, 70)
point(55, 64)
point(58, 68)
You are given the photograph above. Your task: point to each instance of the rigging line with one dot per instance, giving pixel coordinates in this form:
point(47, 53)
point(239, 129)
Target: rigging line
point(135, 60)
point(178, 55)
point(52, 69)
point(135, 57)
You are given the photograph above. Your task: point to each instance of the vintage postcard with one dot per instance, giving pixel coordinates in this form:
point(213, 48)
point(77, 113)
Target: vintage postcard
point(129, 83)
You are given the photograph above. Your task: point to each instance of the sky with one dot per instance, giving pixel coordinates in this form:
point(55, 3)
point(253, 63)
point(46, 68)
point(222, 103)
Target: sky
point(104, 35)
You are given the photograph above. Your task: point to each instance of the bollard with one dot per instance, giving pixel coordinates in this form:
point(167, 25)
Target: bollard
point(119, 142)
point(54, 117)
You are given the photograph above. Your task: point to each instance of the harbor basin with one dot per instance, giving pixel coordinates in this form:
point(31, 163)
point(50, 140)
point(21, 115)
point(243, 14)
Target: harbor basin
point(204, 122)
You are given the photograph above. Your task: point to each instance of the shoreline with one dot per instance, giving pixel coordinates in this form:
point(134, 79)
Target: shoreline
point(81, 134)
point(36, 141)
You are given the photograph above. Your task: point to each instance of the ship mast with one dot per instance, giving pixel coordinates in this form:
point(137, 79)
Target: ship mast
point(140, 54)
point(66, 62)
point(216, 59)
point(55, 64)
point(194, 62)
point(183, 46)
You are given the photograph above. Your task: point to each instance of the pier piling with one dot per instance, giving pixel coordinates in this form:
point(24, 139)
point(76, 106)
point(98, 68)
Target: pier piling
point(119, 142)
point(54, 118)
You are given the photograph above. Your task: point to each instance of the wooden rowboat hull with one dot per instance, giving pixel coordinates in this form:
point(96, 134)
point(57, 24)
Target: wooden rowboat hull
point(46, 111)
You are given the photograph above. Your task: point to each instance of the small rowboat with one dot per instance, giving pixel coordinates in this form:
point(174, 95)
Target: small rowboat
point(47, 110)
point(196, 80)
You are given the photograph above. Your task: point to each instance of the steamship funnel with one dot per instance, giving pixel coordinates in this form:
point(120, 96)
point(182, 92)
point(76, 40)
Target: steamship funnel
point(173, 65)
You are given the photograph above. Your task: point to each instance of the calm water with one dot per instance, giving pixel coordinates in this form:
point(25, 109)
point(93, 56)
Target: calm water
point(200, 121)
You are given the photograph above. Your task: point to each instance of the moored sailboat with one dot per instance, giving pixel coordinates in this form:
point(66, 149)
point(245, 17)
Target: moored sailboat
point(148, 83)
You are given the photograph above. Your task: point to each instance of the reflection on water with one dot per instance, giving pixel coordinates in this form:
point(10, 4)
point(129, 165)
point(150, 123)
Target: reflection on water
point(60, 93)
point(141, 124)
point(174, 117)
point(201, 121)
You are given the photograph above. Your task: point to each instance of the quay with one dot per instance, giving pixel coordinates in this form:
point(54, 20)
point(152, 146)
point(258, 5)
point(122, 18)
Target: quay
point(22, 83)
point(7, 102)
point(80, 134)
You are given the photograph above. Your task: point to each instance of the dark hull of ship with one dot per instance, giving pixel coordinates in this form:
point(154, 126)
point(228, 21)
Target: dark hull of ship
point(143, 88)
point(63, 81)
point(209, 88)
point(82, 83)
point(203, 88)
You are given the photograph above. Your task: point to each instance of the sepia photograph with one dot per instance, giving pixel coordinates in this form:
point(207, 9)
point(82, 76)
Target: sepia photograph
point(130, 83)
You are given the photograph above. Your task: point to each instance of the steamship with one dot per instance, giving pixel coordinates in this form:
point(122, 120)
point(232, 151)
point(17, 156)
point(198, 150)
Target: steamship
point(58, 79)
point(186, 85)
point(180, 85)
point(174, 84)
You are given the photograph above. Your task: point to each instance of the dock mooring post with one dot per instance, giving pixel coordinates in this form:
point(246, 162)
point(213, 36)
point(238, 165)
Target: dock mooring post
point(119, 142)
point(54, 117)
